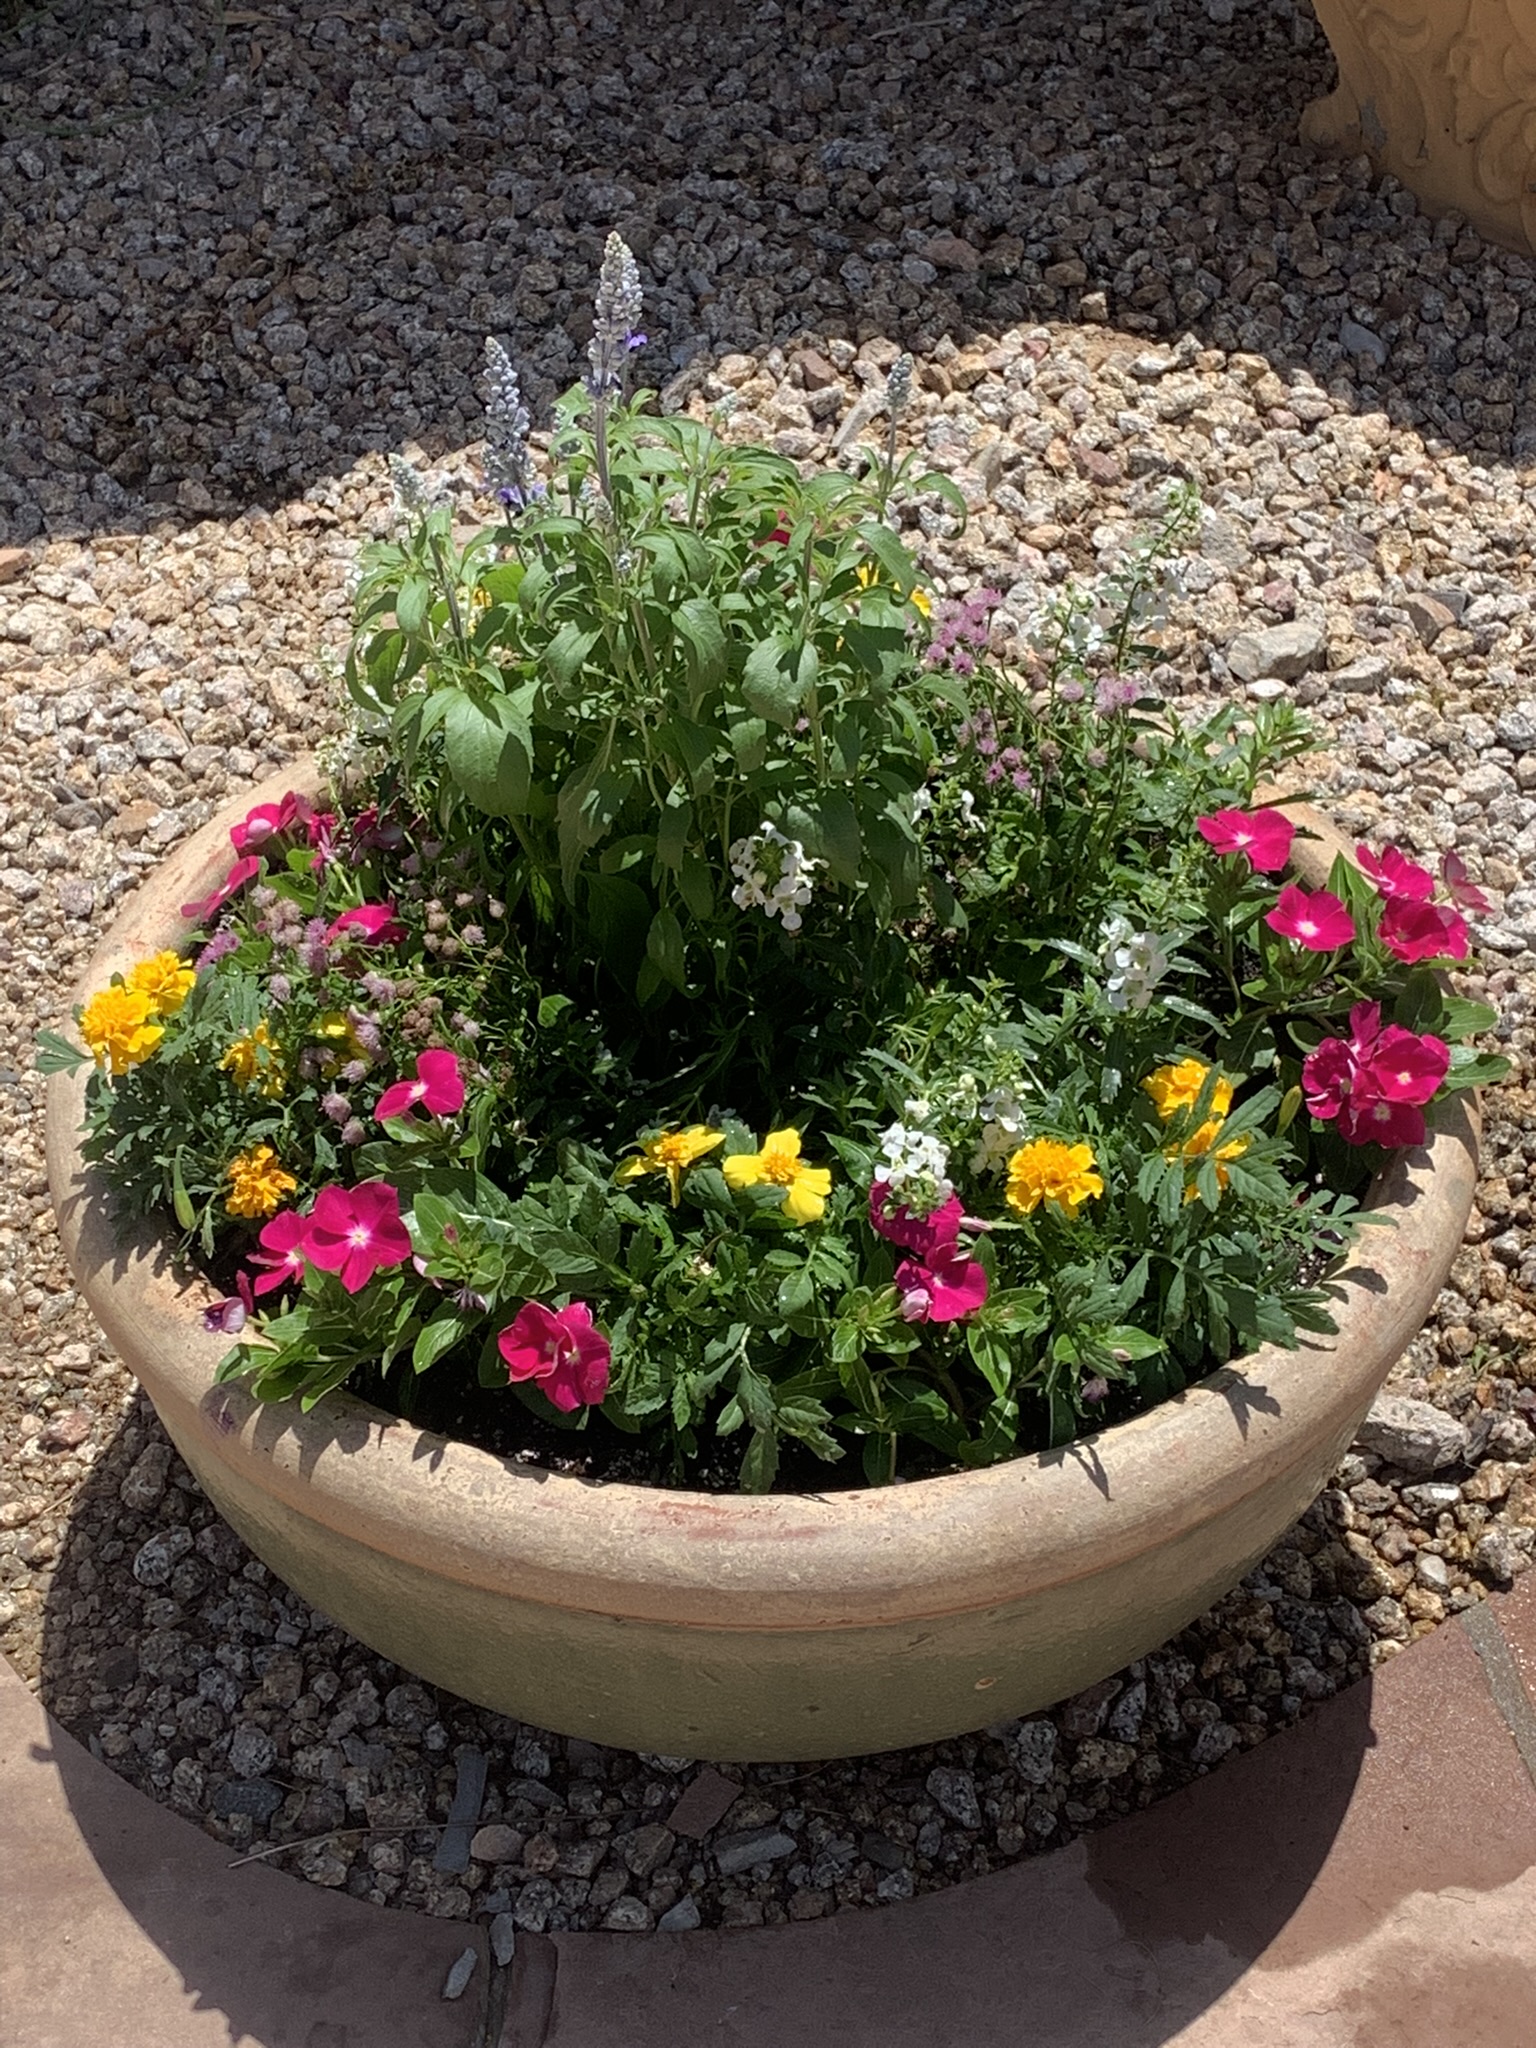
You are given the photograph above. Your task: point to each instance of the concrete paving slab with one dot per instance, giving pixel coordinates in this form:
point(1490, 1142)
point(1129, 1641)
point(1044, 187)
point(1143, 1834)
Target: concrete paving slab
point(122, 1926)
point(1516, 1615)
point(1367, 1880)
point(1364, 1881)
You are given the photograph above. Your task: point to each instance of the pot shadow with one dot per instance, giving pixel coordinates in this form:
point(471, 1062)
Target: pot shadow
point(153, 1678)
point(840, 192)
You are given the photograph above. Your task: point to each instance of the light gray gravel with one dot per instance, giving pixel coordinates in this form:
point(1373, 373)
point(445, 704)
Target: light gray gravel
point(1116, 265)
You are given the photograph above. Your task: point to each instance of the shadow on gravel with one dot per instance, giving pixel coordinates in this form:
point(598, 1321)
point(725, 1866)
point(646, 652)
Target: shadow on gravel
point(164, 1641)
point(297, 259)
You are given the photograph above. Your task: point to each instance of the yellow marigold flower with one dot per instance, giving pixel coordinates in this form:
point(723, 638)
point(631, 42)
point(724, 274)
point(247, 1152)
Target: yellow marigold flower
point(257, 1184)
point(166, 979)
point(869, 576)
point(779, 1165)
point(1203, 1141)
point(254, 1062)
point(116, 1025)
point(1046, 1170)
point(672, 1153)
point(1177, 1088)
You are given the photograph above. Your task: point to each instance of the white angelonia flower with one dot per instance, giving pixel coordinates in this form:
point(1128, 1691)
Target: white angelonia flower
point(915, 1168)
point(1002, 1130)
point(773, 874)
point(1134, 963)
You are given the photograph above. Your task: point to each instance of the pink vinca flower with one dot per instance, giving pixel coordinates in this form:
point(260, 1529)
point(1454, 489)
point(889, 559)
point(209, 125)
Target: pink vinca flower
point(944, 1288)
point(1396, 876)
point(264, 822)
point(1407, 1066)
point(924, 1235)
point(373, 922)
point(1368, 1119)
point(353, 1232)
point(1263, 836)
point(560, 1351)
point(241, 873)
point(1319, 921)
point(1422, 931)
point(1459, 886)
point(438, 1087)
point(1376, 1082)
point(281, 1255)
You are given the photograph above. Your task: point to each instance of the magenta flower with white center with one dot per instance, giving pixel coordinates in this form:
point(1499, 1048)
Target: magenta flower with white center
point(1422, 931)
point(354, 1232)
point(264, 822)
point(437, 1088)
point(946, 1287)
point(1395, 875)
point(1319, 921)
point(1263, 836)
point(560, 1351)
point(281, 1255)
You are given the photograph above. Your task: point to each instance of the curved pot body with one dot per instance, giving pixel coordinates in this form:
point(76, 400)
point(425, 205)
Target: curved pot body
point(1442, 93)
point(738, 1627)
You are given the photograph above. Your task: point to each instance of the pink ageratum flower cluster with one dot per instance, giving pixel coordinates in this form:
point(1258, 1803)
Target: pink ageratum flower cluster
point(937, 1282)
point(1375, 1083)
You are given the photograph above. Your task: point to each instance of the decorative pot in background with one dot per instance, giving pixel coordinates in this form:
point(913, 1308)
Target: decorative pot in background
point(1442, 93)
point(754, 1627)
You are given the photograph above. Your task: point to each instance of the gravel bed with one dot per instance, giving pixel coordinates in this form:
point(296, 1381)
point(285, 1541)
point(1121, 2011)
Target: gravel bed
point(1115, 264)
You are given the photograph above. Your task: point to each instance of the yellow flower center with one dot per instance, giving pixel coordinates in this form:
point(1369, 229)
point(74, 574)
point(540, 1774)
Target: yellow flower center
point(781, 1166)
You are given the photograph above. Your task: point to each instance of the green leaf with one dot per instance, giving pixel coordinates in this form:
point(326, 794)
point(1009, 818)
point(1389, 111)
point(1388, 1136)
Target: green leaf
point(565, 654)
point(56, 1055)
point(760, 1466)
point(1473, 1069)
point(489, 753)
point(502, 582)
point(776, 678)
point(1462, 1018)
point(696, 884)
point(797, 1292)
point(181, 1201)
point(672, 829)
point(890, 554)
point(664, 946)
point(697, 624)
point(837, 838)
point(992, 1357)
point(437, 1337)
point(412, 604)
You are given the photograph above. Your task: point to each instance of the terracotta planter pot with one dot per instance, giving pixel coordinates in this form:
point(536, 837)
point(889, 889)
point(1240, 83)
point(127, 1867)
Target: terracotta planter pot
point(753, 1628)
point(1442, 93)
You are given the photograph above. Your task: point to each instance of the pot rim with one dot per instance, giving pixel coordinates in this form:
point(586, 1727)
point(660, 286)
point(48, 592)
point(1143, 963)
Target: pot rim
point(900, 1554)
